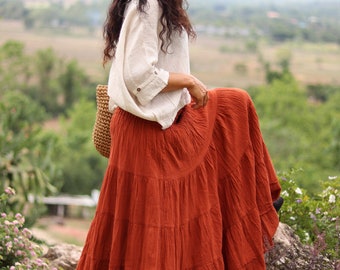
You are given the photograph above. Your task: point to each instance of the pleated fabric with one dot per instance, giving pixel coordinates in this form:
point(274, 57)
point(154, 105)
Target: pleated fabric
point(196, 196)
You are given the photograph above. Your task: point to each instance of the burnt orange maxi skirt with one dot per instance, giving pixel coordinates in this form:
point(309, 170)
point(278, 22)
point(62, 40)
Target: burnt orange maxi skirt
point(197, 195)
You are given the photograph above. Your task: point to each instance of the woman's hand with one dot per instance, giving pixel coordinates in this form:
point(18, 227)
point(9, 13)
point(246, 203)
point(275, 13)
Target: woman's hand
point(199, 94)
point(197, 90)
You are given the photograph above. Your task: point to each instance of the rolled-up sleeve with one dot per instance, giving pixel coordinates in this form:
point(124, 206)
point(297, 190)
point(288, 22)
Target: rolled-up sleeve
point(140, 32)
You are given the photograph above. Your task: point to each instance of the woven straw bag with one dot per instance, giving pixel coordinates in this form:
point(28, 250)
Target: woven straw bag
point(101, 130)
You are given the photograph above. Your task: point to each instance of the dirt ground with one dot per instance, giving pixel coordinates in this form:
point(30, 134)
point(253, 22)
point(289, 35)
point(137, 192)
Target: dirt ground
point(56, 230)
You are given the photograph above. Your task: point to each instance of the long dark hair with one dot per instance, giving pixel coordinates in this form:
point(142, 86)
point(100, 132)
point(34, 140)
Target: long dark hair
point(173, 18)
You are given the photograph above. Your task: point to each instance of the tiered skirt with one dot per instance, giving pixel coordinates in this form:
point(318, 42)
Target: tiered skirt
point(196, 196)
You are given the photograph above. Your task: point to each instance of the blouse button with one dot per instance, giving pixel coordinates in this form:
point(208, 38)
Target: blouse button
point(138, 89)
point(156, 72)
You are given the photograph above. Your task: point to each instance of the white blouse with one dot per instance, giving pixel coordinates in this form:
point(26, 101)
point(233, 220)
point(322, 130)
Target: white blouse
point(140, 69)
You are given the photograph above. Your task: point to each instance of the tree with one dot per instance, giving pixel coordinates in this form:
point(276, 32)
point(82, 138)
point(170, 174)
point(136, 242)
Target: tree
point(284, 58)
point(47, 68)
point(73, 81)
point(12, 9)
point(20, 162)
point(14, 66)
point(82, 166)
point(331, 130)
point(294, 131)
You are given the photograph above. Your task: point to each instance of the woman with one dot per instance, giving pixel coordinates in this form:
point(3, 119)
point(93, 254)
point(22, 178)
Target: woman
point(189, 184)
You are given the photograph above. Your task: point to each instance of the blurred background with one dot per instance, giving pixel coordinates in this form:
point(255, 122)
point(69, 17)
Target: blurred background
point(286, 54)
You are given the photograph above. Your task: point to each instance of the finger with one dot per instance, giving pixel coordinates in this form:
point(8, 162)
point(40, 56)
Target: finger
point(198, 105)
point(206, 98)
point(195, 106)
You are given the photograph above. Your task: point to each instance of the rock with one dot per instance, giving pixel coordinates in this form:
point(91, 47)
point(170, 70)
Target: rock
point(287, 254)
point(63, 256)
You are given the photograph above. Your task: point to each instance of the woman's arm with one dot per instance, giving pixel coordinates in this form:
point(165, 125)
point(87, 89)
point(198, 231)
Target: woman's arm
point(196, 88)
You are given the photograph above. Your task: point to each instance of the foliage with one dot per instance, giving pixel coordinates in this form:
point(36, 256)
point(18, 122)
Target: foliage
point(82, 166)
point(281, 31)
point(36, 156)
point(313, 217)
point(59, 83)
point(21, 156)
point(47, 66)
point(17, 250)
point(284, 58)
point(72, 81)
point(299, 133)
point(321, 92)
point(329, 131)
point(55, 15)
point(14, 71)
point(11, 9)
point(45, 77)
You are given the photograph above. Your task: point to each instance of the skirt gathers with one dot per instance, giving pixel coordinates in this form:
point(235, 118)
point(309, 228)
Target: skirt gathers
point(196, 196)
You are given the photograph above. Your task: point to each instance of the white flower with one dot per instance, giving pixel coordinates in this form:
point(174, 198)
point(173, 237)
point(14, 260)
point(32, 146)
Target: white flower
point(331, 198)
point(284, 193)
point(298, 191)
point(307, 237)
point(332, 177)
point(7, 222)
point(292, 218)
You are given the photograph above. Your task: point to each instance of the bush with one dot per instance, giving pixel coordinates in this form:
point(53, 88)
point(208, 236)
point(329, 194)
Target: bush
point(316, 220)
point(17, 250)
